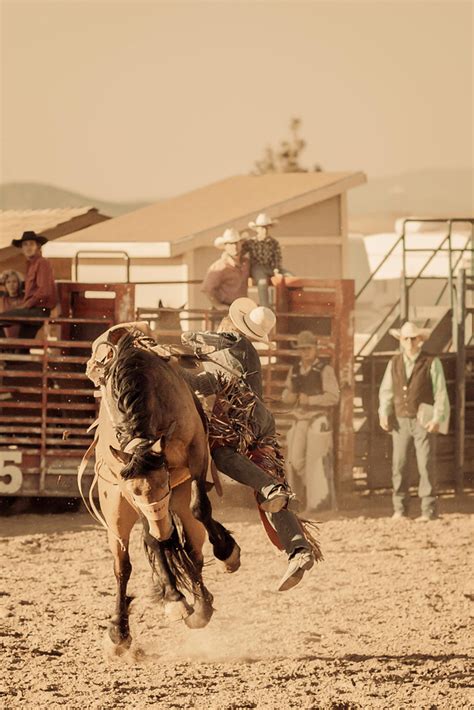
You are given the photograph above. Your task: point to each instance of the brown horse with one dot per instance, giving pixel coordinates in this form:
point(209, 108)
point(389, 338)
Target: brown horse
point(151, 462)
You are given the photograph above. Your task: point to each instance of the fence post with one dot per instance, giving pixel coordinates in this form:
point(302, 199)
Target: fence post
point(460, 408)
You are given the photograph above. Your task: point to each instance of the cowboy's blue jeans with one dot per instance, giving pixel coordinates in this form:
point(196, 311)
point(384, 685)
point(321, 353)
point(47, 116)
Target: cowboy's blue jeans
point(409, 432)
point(241, 469)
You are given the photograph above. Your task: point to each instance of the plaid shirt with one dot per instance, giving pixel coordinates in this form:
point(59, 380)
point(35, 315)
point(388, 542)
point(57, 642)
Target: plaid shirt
point(266, 252)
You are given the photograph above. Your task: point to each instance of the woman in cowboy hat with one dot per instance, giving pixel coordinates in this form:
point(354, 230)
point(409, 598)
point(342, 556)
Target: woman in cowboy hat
point(245, 324)
point(227, 277)
point(40, 288)
point(413, 382)
point(264, 253)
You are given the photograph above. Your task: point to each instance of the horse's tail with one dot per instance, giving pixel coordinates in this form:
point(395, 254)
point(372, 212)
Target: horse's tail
point(173, 553)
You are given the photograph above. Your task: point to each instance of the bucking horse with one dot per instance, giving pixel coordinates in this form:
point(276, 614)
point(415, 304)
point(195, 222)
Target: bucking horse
point(151, 464)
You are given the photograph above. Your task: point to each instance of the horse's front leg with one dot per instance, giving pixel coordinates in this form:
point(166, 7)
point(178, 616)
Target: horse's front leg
point(195, 535)
point(119, 630)
point(120, 518)
point(161, 555)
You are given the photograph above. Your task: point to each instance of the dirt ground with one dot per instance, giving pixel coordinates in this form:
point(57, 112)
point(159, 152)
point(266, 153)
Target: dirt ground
point(383, 622)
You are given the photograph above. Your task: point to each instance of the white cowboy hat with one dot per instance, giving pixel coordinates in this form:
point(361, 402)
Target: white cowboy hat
point(263, 220)
point(410, 330)
point(253, 321)
point(230, 236)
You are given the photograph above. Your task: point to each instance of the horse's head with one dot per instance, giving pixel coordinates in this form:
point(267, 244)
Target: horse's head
point(145, 480)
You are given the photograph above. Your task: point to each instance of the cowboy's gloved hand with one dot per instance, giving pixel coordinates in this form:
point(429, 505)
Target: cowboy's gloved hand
point(303, 398)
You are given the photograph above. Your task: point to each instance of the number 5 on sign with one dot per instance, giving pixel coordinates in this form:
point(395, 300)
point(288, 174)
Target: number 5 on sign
point(11, 476)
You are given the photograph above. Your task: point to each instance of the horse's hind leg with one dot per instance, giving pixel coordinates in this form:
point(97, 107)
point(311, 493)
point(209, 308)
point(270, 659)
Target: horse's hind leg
point(120, 517)
point(195, 535)
point(223, 544)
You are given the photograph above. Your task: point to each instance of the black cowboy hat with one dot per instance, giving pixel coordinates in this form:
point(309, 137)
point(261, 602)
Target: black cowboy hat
point(28, 236)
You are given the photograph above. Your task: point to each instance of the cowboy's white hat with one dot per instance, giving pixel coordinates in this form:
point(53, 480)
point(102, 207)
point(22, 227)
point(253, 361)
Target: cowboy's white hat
point(410, 330)
point(253, 321)
point(262, 220)
point(230, 236)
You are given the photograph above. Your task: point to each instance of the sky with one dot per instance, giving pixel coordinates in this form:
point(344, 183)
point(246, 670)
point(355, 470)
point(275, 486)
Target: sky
point(139, 100)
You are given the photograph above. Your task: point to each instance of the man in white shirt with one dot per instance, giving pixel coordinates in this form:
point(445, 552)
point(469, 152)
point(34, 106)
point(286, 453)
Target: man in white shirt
point(413, 378)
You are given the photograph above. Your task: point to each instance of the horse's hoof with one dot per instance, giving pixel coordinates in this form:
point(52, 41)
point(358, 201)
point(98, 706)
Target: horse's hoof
point(115, 650)
point(175, 611)
point(201, 617)
point(232, 563)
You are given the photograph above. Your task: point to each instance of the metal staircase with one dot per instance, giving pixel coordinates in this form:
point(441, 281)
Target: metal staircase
point(450, 317)
point(435, 314)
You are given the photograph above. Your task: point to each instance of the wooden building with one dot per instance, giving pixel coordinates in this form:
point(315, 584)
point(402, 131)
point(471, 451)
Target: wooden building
point(173, 240)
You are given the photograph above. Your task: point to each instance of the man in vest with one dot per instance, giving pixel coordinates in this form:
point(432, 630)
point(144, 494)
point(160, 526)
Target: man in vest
point(413, 378)
point(312, 387)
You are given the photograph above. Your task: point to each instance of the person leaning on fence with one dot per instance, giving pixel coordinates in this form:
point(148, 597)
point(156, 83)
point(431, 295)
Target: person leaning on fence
point(11, 298)
point(312, 387)
point(40, 288)
point(412, 385)
point(227, 277)
point(248, 323)
point(264, 253)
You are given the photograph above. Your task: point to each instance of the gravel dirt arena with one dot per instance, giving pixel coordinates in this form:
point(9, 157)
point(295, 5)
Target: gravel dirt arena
point(383, 622)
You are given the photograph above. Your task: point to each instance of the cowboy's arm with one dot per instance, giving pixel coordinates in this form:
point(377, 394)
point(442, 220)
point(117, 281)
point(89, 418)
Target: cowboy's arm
point(441, 409)
point(289, 396)
point(386, 397)
point(219, 341)
point(330, 393)
point(277, 257)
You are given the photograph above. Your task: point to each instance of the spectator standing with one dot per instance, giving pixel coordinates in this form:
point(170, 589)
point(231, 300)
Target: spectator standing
point(264, 252)
point(312, 387)
point(413, 378)
point(227, 277)
point(40, 288)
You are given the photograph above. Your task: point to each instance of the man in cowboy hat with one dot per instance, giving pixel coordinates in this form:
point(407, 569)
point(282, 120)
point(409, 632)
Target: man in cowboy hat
point(227, 278)
point(247, 323)
point(40, 288)
point(265, 255)
point(312, 387)
point(413, 378)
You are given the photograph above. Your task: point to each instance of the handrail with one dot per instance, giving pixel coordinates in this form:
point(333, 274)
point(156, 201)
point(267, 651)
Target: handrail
point(389, 253)
point(435, 250)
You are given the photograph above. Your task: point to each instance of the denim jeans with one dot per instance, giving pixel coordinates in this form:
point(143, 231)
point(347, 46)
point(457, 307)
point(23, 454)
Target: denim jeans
point(407, 432)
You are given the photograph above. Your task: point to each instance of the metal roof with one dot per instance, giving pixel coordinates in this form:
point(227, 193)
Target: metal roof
point(195, 218)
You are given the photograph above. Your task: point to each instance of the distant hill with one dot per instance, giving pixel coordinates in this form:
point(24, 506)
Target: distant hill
point(38, 196)
point(429, 192)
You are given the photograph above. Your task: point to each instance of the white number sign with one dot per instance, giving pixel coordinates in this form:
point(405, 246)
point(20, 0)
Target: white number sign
point(11, 476)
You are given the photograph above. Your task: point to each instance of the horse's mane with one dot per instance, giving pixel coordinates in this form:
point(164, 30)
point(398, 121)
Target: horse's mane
point(133, 385)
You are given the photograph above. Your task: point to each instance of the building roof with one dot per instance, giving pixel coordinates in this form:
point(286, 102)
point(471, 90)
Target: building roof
point(52, 223)
point(195, 218)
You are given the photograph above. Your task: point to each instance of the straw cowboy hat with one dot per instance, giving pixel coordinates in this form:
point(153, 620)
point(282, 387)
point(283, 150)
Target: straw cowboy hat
point(262, 220)
point(230, 236)
point(305, 339)
point(253, 321)
point(410, 330)
point(28, 236)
